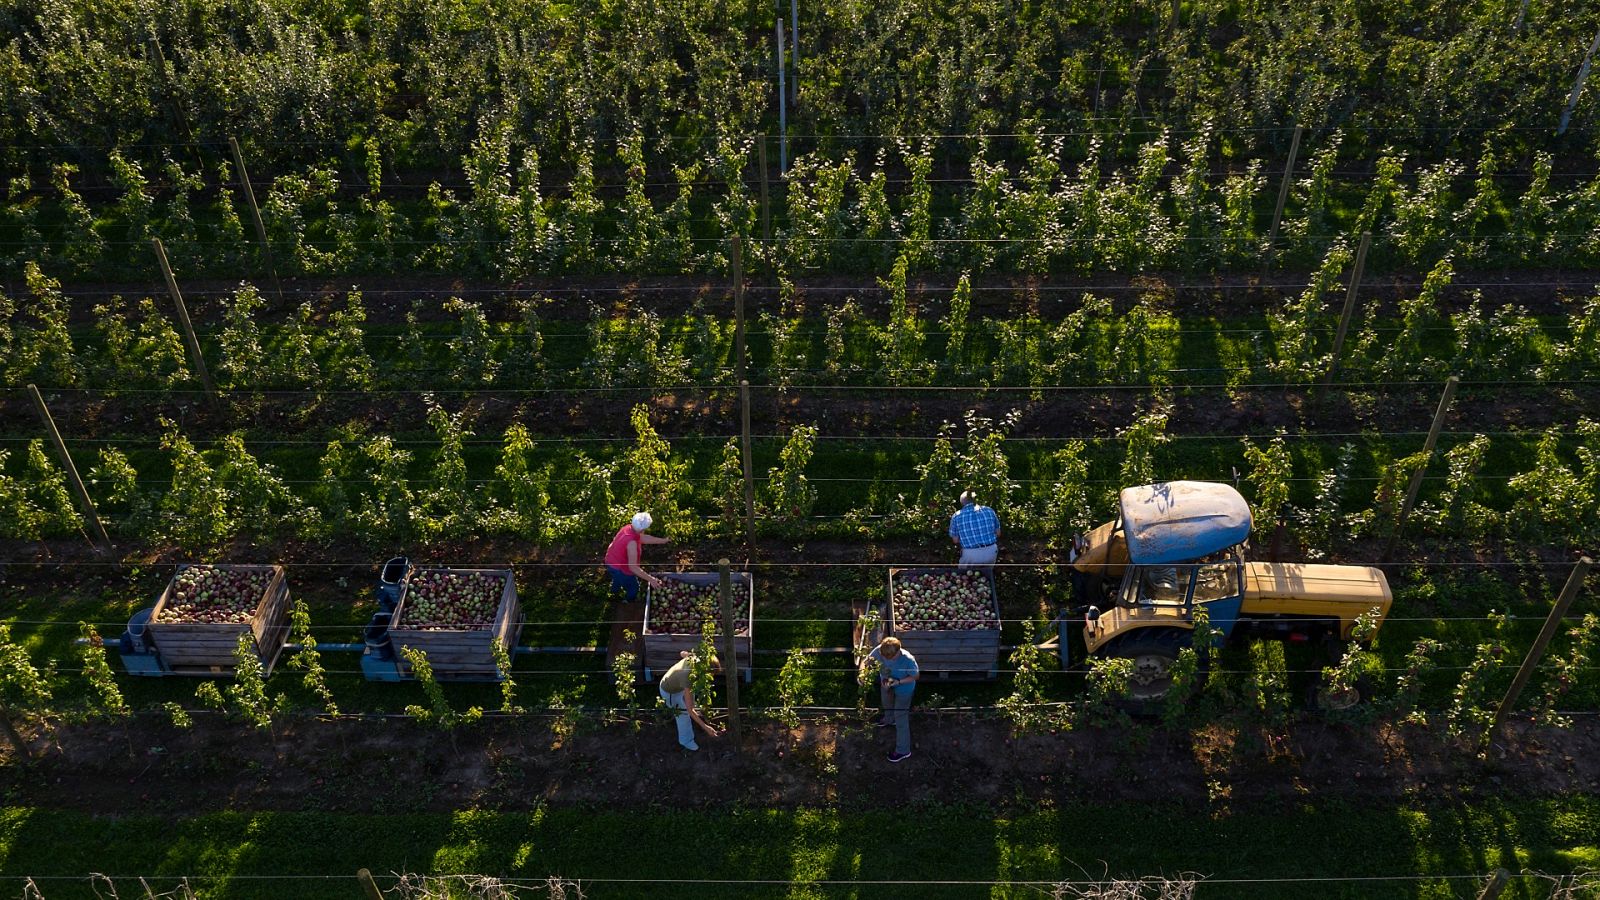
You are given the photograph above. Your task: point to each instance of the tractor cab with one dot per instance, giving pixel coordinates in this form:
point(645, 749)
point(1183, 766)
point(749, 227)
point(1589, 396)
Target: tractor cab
point(1172, 546)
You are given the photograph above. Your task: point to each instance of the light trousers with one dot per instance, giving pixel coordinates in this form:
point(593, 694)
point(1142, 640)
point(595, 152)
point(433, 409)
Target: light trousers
point(685, 724)
point(979, 557)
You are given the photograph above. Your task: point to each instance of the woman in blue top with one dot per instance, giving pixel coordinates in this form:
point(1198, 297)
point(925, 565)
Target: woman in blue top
point(897, 679)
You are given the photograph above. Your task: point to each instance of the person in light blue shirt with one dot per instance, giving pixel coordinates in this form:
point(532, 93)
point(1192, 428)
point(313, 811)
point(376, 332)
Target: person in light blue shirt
point(897, 680)
point(975, 529)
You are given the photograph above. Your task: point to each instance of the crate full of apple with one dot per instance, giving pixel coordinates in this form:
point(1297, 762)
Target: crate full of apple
point(947, 618)
point(945, 601)
point(684, 607)
point(686, 602)
point(205, 610)
point(448, 599)
point(455, 616)
point(215, 595)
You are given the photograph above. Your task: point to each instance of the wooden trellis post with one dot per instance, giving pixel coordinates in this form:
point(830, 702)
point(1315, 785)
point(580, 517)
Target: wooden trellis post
point(1552, 624)
point(1427, 451)
point(1349, 307)
point(98, 539)
point(749, 470)
point(730, 652)
point(183, 319)
point(736, 264)
point(255, 214)
point(1283, 197)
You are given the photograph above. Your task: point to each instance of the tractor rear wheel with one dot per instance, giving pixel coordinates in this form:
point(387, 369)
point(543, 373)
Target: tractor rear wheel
point(1153, 651)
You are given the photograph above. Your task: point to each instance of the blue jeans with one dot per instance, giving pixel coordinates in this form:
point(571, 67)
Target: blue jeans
point(627, 582)
point(897, 711)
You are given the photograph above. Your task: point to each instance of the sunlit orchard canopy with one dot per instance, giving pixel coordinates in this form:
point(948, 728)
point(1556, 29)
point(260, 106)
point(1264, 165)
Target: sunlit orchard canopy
point(1182, 521)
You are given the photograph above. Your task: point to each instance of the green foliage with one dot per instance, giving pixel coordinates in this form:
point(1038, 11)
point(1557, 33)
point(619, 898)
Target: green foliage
point(902, 336)
point(1185, 673)
point(1564, 671)
point(655, 482)
point(195, 510)
point(727, 488)
point(209, 696)
point(1026, 706)
point(1270, 471)
point(349, 365)
point(257, 497)
point(702, 677)
point(146, 352)
point(508, 686)
point(24, 688)
point(244, 357)
point(789, 496)
point(105, 697)
point(982, 466)
point(248, 692)
point(1267, 684)
point(1469, 714)
point(1069, 508)
point(1356, 661)
point(36, 504)
point(179, 716)
point(1105, 684)
point(597, 514)
point(625, 676)
point(472, 348)
point(1140, 439)
point(794, 687)
point(445, 507)
point(954, 325)
point(1325, 526)
point(438, 713)
point(307, 659)
point(520, 493)
point(39, 345)
point(1419, 662)
point(1458, 510)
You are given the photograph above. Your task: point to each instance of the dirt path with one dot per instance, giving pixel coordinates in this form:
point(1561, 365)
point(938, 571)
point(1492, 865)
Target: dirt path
point(369, 765)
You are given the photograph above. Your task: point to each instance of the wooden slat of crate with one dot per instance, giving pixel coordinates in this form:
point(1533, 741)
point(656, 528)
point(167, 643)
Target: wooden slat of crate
point(460, 653)
point(661, 651)
point(206, 648)
point(974, 652)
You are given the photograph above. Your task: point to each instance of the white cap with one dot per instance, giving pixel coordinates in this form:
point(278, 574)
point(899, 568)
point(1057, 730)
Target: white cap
point(641, 521)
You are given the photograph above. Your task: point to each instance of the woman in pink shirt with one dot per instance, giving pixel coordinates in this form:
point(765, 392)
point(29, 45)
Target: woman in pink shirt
point(622, 557)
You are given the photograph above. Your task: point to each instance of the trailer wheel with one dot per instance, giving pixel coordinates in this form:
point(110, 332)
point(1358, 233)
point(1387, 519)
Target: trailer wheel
point(1153, 651)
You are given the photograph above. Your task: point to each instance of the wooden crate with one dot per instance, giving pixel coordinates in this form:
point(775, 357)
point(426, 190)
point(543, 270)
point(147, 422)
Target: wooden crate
point(459, 654)
point(661, 650)
point(206, 648)
point(947, 654)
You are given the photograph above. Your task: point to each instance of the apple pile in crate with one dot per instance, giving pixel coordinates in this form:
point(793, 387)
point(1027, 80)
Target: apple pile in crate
point(452, 601)
point(678, 607)
point(944, 601)
point(217, 596)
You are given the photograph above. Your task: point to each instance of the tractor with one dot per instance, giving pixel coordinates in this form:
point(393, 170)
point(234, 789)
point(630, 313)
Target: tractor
point(1180, 546)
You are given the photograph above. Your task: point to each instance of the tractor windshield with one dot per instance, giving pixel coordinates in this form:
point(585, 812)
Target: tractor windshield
point(1214, 578)
point(1156, 585)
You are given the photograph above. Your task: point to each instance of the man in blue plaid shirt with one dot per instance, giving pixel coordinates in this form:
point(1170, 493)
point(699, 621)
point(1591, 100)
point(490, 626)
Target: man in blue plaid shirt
point(976, 530)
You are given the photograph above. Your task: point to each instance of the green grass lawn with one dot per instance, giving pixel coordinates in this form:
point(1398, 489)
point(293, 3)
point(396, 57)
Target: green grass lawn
point(801, 849)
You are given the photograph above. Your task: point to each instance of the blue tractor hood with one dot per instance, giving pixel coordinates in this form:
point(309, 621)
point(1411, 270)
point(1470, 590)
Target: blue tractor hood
point(1182, 521)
